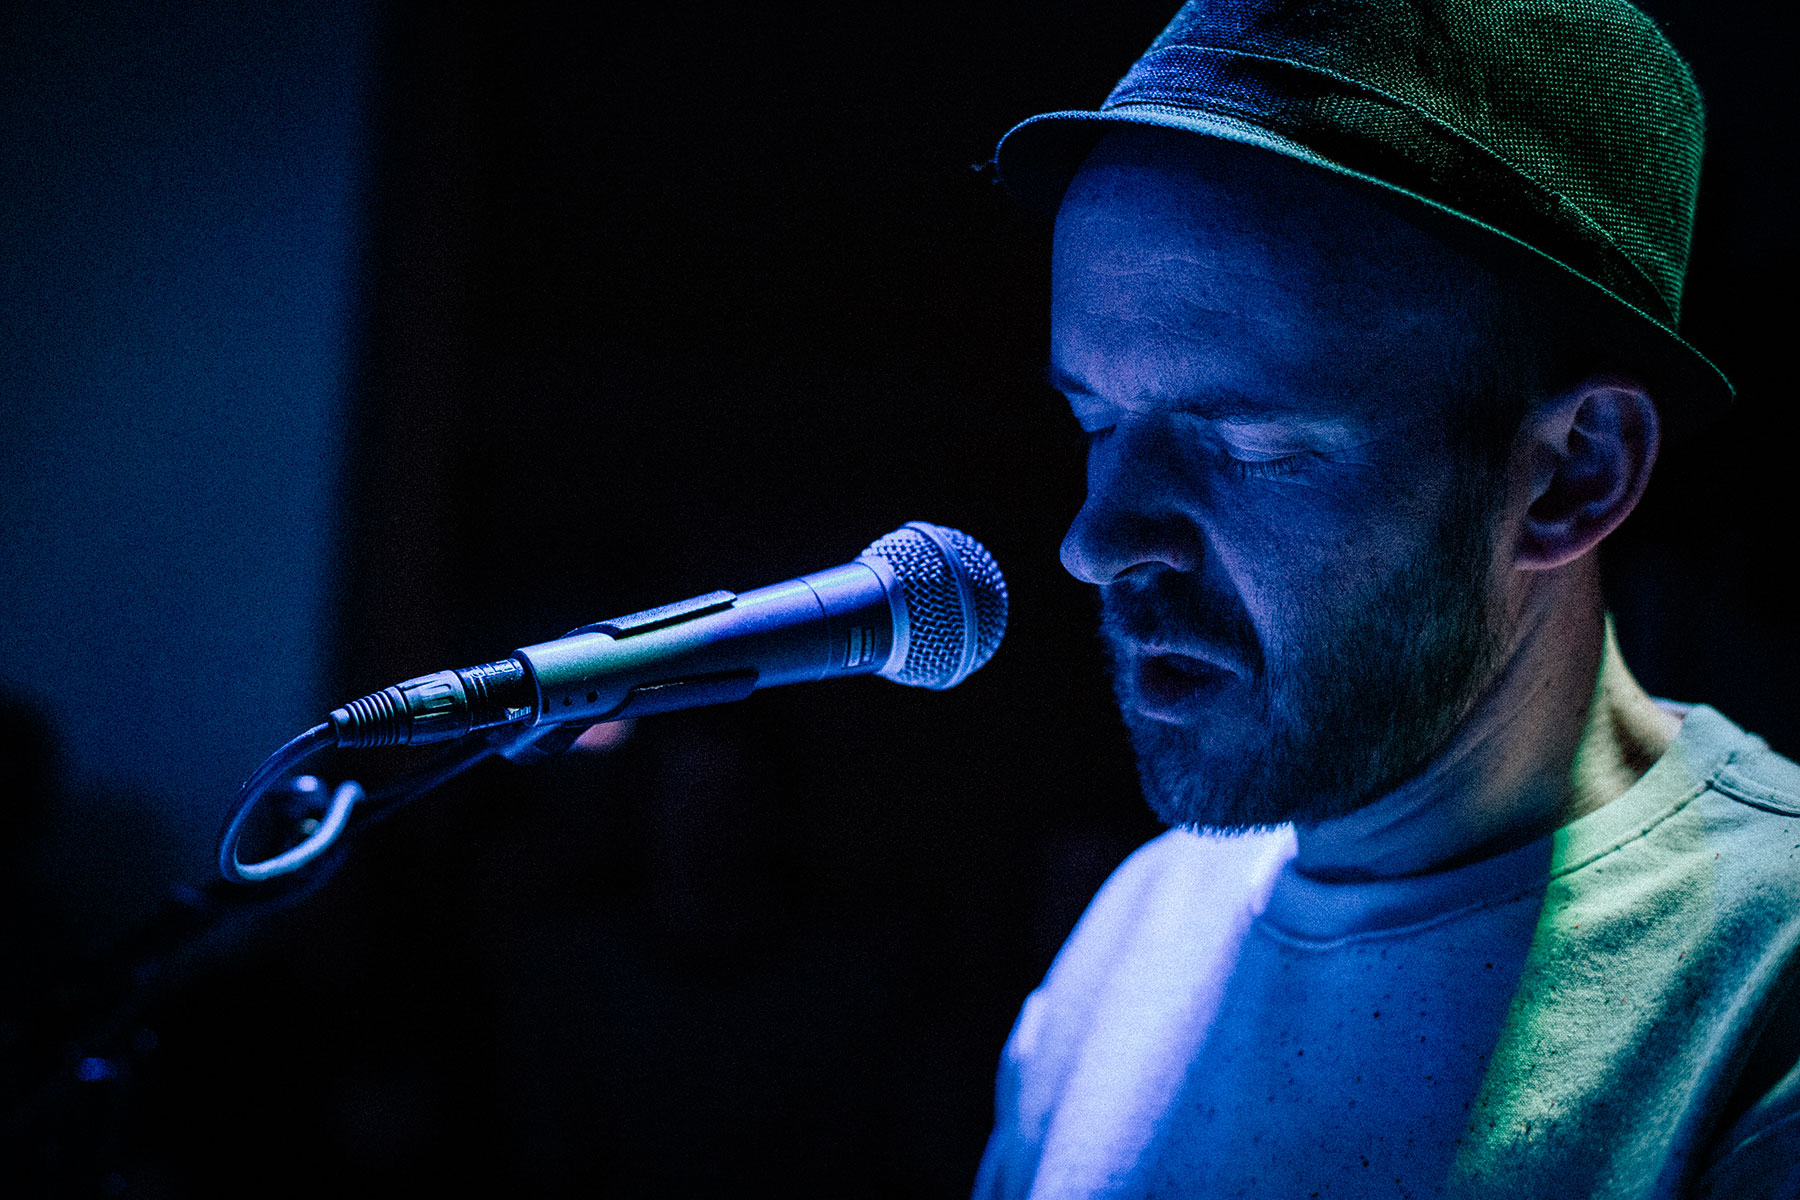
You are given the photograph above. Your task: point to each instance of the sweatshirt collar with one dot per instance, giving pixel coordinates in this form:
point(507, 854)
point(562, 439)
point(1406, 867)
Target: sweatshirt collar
point(1316, 912)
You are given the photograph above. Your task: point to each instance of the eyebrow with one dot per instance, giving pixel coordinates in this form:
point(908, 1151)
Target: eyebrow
point(1220, 406)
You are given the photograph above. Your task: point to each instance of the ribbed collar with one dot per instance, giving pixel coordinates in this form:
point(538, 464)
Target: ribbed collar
point(1316, 912)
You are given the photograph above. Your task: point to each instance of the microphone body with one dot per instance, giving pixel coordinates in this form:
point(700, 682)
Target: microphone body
point(843, 621)
point(924, 606)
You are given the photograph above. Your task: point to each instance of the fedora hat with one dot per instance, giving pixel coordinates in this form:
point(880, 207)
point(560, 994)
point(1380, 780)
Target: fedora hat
point(1569, 128)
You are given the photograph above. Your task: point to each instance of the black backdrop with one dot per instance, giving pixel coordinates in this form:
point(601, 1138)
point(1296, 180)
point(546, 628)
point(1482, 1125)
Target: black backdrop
point(708, 297)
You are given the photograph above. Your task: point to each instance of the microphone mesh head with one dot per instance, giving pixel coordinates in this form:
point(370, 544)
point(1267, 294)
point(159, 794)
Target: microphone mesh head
point(955, 603)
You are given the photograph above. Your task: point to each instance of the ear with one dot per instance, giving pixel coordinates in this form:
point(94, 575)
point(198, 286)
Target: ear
point(1587, 455)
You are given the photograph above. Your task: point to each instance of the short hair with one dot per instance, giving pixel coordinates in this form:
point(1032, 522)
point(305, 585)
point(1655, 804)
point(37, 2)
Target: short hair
point(1534, 333)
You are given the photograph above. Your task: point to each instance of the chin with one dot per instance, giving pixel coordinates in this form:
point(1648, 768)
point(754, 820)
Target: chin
point(1228, 770)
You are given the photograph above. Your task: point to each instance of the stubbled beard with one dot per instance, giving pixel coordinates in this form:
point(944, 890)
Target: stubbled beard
point(1358, 703)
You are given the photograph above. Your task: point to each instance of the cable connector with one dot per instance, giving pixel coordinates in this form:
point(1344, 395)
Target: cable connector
point(439, 707)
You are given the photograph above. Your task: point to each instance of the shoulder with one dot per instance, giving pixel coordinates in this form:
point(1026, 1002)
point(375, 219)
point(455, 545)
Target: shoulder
point(1153, 934)
point(1747, 851)
point(1749, 814)
point(1176, 904)
point(1757, 776)
point(1731, 795)
point(1166, 894)
point(1721, 864)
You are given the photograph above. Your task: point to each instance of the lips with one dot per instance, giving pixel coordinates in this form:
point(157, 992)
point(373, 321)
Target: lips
point(1170, 684)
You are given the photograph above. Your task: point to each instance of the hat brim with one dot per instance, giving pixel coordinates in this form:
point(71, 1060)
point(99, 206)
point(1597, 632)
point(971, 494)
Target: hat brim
point(1037, 159)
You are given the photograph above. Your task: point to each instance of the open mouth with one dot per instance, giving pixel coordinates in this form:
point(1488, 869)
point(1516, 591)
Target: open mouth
point(1169, 681)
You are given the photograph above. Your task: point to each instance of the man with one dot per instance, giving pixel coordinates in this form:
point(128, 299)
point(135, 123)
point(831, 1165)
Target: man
point(1367, 311)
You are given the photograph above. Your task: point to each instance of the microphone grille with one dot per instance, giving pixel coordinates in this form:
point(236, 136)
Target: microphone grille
point(955, 603)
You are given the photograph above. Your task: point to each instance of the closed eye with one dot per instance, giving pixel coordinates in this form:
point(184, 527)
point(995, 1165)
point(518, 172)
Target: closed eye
point(1267, 468)
point(1092, 426)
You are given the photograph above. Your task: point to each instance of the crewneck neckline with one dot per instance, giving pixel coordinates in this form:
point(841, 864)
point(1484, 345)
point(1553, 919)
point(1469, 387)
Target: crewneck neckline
point(1319, 913)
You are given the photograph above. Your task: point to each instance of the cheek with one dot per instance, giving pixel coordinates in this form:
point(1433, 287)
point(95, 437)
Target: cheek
point(1283, 565)
point(1298, 554)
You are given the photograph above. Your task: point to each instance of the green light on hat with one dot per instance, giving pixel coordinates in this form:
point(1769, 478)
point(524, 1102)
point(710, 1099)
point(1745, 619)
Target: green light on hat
point(1568, 127)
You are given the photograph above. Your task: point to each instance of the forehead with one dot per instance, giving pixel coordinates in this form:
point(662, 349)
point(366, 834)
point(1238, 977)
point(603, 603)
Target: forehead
point(1184, 264)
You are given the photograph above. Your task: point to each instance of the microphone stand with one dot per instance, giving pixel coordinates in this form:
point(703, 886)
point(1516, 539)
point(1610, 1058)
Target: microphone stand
point(200, 923)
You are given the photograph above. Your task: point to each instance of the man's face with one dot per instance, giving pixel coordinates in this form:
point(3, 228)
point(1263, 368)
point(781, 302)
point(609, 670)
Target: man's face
point(1295, 558)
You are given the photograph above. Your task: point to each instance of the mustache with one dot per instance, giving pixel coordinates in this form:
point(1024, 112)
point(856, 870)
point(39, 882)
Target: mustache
point(1169, 608)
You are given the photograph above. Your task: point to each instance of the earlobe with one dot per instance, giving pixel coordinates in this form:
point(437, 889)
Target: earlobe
point(1589, 452)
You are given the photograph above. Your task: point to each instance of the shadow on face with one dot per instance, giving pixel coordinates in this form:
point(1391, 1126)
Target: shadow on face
point(1294, 554)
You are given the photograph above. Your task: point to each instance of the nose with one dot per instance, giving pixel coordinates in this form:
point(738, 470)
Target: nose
point(1138, 511)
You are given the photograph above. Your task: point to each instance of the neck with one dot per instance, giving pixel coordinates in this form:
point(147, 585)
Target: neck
point(1563, 730)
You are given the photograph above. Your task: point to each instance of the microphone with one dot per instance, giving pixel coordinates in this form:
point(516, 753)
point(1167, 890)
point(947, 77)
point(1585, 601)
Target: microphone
point(924, 606)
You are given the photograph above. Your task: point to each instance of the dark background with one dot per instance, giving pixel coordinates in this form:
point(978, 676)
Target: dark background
point(641, 308)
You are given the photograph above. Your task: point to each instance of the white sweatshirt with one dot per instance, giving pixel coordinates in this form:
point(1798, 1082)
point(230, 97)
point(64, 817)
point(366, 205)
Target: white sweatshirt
point(1608, 1012)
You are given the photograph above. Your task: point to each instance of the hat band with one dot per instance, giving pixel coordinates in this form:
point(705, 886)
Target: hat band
point(1380, 136)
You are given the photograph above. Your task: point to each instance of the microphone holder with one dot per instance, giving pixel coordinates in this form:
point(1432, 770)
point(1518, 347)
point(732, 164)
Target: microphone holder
point(323, 832)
